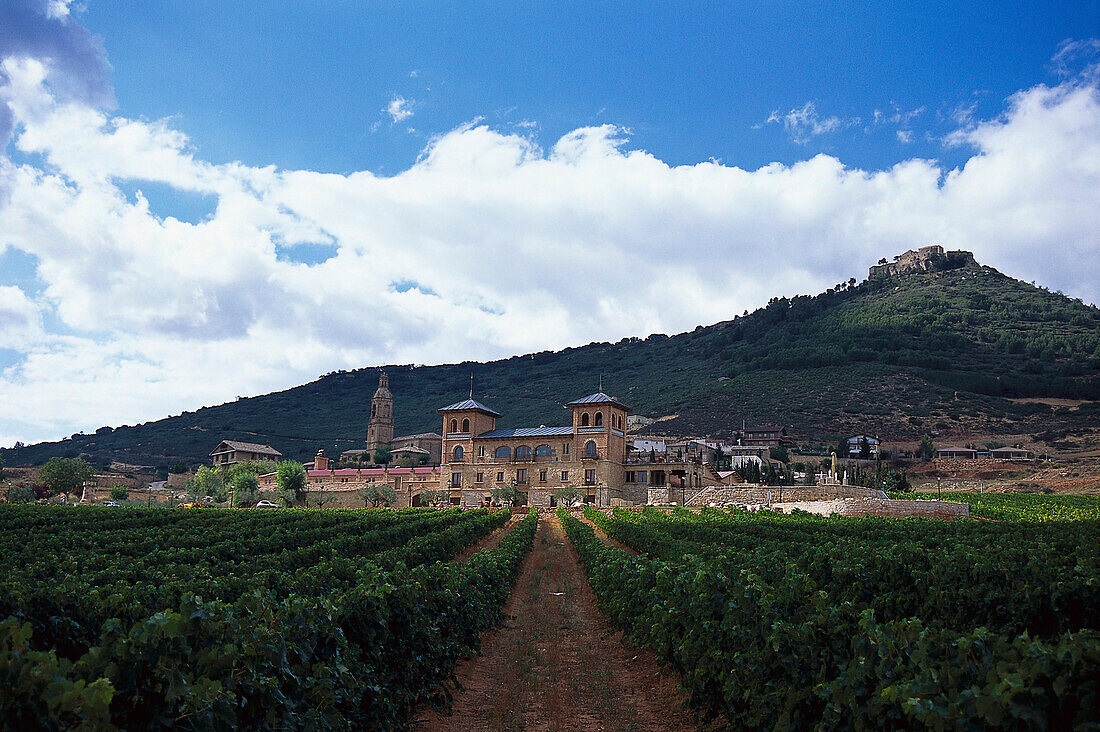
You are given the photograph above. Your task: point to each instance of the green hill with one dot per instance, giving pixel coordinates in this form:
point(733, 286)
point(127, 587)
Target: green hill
point(952, 351)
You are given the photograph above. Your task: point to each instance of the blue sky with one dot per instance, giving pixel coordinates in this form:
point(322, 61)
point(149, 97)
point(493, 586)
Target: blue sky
point(304, 85)
point(211, 199)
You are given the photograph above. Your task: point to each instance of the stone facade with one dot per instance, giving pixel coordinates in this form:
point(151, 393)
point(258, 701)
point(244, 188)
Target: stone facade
point(380, 426)
point(590, 454)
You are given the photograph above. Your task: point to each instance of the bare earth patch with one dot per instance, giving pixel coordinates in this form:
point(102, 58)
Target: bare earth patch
point(557, 664)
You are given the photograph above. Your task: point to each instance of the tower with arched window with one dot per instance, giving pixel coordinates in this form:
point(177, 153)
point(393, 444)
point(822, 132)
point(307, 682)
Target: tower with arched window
point(380, 426)
point(599, 424)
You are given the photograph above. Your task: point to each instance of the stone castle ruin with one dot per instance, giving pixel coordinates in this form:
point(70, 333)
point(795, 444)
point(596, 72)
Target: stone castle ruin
point(926, 259)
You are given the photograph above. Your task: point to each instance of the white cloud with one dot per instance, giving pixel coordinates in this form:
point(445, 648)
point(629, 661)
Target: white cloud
point(398, 109)
point(509, 247)
point(804, 123)
point(20, 320)
point(904, 136)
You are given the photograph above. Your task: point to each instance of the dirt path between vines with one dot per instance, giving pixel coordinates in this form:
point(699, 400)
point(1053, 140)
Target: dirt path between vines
point(557, 664)
point(492, 540)
point(607, 539)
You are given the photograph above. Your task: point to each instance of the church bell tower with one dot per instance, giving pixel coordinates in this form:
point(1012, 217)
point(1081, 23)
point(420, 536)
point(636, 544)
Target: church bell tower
point(380, 427)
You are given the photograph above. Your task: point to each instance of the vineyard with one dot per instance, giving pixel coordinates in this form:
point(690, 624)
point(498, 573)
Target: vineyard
point(782, 621)
point(137, 619)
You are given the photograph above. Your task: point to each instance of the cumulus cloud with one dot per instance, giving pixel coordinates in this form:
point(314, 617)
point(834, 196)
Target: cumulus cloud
point(804, 124)
point(399, 109)
point(489, 245)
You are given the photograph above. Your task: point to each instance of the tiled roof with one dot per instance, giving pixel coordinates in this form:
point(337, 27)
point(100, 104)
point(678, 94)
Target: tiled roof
point(469, 404)
point(597, 398)
point(419, 435)
point(348, 472)
point(527, 432)
point(247, 447)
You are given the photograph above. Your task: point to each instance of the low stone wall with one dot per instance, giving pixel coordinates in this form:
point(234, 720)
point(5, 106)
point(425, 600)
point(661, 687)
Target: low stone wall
point(778, 494)
point(951, 464)
point(879, 507)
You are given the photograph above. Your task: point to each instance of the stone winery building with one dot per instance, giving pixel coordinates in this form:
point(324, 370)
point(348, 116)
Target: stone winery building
point(589, 454)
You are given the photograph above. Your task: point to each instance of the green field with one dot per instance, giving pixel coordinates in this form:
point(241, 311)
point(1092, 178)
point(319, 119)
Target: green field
point(206, 619)
point(802, 621)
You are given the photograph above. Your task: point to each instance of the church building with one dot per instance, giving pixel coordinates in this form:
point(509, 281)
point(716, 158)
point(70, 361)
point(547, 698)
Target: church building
point(423, 447)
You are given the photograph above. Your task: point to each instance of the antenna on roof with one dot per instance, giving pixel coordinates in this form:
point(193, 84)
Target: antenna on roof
point(601, 382)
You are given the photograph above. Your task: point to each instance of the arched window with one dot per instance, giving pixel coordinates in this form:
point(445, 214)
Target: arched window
point(543, 451)
point(599, 419)
point(454, 425)
point(503, 452)
point(458, 452)
point(523, 452)
point(584, 419)
point(465, 425)
point(590, 448)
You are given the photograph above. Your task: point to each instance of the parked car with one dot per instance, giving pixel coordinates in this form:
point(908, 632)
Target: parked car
point(267, 504)
point(114, 504)
point(189, 505)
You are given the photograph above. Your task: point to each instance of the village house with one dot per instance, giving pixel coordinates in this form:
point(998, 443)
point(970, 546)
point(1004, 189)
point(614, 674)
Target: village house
point(855, 446)
point(1011, 453)
point(231, 452)
point(764, 436)
point(956, 453)
point(998, 453)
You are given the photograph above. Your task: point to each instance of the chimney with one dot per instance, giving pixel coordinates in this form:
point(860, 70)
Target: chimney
point(320, 462)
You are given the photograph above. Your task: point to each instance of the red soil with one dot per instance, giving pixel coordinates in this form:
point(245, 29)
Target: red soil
point(557, 664)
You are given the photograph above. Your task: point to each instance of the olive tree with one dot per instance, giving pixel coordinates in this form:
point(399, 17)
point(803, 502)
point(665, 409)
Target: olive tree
point(435, 498)
point(377, 495)
point(508, 495)
point(567, 496)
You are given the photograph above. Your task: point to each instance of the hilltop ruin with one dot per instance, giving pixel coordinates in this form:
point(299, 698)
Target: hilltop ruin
point(926, 259)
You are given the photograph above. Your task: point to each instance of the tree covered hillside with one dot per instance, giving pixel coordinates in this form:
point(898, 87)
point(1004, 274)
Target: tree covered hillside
point(952, 351)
